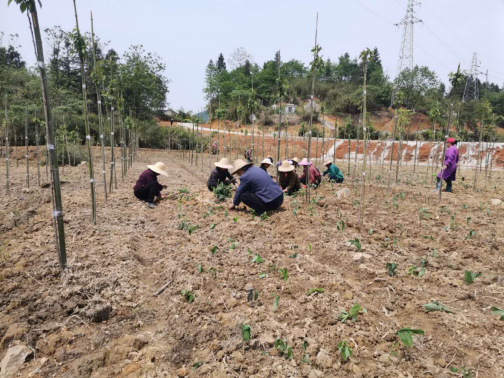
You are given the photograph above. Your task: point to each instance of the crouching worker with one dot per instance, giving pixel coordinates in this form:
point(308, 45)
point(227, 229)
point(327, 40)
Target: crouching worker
point(256, 190)
point(220, 174)
point(333, 172)
point(313, 173)
point(147, 186)
point(288, 178)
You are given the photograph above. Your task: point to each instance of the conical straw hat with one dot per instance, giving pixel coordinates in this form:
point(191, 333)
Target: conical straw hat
point(296, 160)
point(286, 167)
point(239, 164)
point(224, 163)
point(266, 161)
point(327, 162)
point(159, 168)
point(305, 162)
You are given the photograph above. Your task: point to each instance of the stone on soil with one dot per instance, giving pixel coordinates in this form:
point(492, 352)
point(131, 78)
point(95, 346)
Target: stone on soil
point(14, 358)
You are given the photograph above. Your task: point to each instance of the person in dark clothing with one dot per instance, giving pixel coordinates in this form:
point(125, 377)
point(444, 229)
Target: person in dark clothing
point(171, 122)
point(256, 190)
point(220, 174)
point(248, 155)
point(147, 186)
point(265, 164)
point(289, 180)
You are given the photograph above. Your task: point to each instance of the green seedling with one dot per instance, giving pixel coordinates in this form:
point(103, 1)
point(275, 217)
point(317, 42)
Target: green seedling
point(183, 225)
point(197, 365)
point(272, 268)
point(235, 219)
point(188, 296)
point(406, 335)
point(470, 235)
point(222, 192)
point(264, 217)
point(246, 332)
point(467, 220)
point(214, 249)
point(213, 272)
point(200, 268)
point(191, 229)
point(212, 226)
point(391, 268)
point(309, 247)
point(252, 295)
point(352, 313)
point(434, 253)
point(257, 259)
point(315, 290)
point(355, 242)
point(464, 373)
point(371, 232)
point(470, 276)
point(183, 191)
point(340, 226)
point(498, 311)
point(306, 356)
point(284, 274)
point(344, 350)
point(293, 256)
point(276, 302)
point(282, 346)
point(232, 246)
point(225, 214)
point(436, 306)
point(263, 275)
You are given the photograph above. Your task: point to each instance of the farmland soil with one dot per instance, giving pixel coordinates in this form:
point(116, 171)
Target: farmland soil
point(100, 318)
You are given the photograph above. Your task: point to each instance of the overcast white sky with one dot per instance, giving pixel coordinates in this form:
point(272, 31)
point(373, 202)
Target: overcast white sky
point(186, 34)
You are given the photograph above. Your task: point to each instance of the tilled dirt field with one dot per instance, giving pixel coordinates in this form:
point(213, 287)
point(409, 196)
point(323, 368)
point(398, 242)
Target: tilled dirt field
point(99, 318)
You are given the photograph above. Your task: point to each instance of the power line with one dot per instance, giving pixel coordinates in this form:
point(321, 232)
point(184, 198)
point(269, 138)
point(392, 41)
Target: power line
point(372, 11)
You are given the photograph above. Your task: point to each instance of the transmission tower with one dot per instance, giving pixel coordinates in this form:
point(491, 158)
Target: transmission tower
point(406, 50)
point(471, 91)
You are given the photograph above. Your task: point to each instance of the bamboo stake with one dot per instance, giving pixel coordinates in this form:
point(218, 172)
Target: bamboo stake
point(334, 147)
point(37, 148)
point(392, 152)
point(365, 56)
point(86, 118)
point(26, 144)
point(56, 190)
point(7, 149)
point(280, 89)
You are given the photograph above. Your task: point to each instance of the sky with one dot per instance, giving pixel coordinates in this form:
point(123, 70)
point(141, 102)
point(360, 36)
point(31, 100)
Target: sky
point(187, 34)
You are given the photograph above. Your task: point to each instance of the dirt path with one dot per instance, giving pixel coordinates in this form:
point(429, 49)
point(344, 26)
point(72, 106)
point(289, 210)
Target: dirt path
point(100, 317)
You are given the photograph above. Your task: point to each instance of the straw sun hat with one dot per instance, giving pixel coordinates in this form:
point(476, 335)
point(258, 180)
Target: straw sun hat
point(239, 164)
point(224, 164)
point(286, 167)
point(267, 161)
point(159, 168)
point(296, 160)
point(305, 162)
point(327, 162)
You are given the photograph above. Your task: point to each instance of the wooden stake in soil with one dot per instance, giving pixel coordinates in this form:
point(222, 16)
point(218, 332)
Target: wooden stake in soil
point(7, 149)
point(26, 144)
point(80, 46)
point(392, 152)
point(36, 148)
point(55, 187)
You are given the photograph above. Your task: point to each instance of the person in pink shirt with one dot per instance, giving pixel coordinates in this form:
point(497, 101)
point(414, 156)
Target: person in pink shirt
point(314, 174)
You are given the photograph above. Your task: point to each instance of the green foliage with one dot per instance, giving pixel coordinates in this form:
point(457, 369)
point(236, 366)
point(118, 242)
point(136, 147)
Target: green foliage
point(498, 311)
point(355, 242)
point(406, 335)
point(470, 276)
point(223, 192)
point(276, 302)
point(257, 259)
point(315, 290)
point(436, 306)
point(352, 313)
point(391, 268)
point(246, 332)
point(284, 349)
point(284, 274)
point(344, 350)
point(188, 296)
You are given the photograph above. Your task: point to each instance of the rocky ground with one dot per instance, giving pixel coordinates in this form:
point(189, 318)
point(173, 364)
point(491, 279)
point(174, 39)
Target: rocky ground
point(100, 318)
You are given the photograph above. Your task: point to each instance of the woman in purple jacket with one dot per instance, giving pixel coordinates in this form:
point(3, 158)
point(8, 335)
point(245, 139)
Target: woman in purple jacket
point(449, 170)
point(147, 186)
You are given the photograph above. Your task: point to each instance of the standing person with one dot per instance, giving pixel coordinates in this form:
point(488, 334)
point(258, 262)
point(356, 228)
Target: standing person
point(313, 173)
point(256, 190)
point(449, 169)
point(220, 174)
point(333, 172)
point(248, 155)
point(171, 122)
point(147, 186)
point(288, 178)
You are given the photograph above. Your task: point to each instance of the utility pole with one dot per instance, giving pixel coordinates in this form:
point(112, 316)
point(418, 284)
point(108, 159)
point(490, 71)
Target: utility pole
point(406, 51)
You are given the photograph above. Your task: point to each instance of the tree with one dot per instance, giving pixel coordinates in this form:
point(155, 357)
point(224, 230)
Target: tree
point(238, 58)
point(221, 64)
point(416, 85)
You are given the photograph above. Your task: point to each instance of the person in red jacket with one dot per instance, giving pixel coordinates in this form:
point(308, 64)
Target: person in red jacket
point(314, 174)
point(147, 186)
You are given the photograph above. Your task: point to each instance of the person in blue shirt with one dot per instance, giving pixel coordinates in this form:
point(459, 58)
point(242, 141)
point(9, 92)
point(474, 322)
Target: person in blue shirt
point(333, 172)
point(256, 190)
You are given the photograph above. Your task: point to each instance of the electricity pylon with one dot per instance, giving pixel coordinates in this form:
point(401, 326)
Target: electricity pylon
point(406, 50)
point(471, 91)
